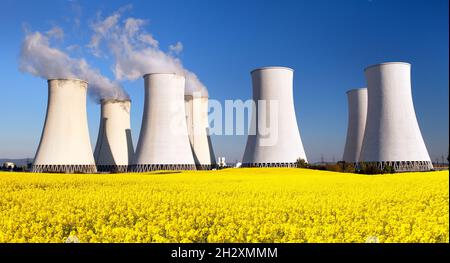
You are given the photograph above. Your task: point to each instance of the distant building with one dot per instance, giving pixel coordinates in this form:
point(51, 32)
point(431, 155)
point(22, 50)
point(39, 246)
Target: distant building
point(221, 162)
point(8, 166)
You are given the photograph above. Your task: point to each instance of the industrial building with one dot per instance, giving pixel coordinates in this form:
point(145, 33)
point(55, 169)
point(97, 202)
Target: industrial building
point(274, 110)
point(114, 149)
point(65, 145)
point(382, 126)
point(163, 140)
point(357, 113)
point(392, 135)
point(196, 106)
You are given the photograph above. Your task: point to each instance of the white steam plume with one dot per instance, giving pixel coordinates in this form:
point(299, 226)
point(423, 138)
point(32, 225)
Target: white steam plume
point(38, 58)
point(136, 52)
point(177, 48)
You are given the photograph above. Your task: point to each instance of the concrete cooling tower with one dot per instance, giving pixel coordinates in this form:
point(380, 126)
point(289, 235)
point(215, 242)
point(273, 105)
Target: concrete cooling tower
point(163, 141)
point(65, 146)
point(197, 126)
point(392, 135)
point(114, 149)
point(357, 113)
point(274, 138)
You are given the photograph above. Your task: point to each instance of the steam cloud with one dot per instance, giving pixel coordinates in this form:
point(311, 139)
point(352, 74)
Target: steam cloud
point(136, 52)
point(38, 58)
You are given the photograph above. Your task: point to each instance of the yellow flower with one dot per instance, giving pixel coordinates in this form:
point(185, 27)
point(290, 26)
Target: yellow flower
point(232, 205)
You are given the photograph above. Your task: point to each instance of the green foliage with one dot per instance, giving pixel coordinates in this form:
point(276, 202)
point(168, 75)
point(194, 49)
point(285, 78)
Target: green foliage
point(301, 163)
point(345, 167)
point(341, 167)
point(372, 168)
point(388, 169)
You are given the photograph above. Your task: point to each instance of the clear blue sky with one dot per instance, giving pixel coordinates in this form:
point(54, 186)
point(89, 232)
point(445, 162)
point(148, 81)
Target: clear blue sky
point(328, 43)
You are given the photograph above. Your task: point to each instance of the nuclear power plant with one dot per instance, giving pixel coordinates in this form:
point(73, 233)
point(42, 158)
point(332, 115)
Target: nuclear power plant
point(275, 141)
point(382, 127)
point(65, 145)
point(163, 140)
point(357, 113)
point(114, 149)
point(196, 106)
point(392, 136)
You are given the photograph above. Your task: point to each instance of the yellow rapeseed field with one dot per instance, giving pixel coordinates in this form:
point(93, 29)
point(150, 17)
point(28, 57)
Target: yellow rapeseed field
point(233, 205)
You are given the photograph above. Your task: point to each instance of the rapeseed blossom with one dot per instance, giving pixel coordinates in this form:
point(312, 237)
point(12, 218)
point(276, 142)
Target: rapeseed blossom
point(231, 205)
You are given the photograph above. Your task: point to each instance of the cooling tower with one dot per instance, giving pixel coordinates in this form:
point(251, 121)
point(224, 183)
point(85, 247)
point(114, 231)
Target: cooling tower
point(163, 141)
point(392, 135)
point(197, 126)
point(65, 145)
point(357, 113)
point(274, 139)
point(114, 148)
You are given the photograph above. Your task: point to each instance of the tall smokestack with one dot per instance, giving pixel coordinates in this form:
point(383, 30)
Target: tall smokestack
point(197, 126)
point(163, 141)
point(65, 146)
point(357, 113)
point(114, 149)
point(281, 146)
point(392, 135)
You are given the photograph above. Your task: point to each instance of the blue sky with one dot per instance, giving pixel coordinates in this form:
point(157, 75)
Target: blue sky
point(328, 43)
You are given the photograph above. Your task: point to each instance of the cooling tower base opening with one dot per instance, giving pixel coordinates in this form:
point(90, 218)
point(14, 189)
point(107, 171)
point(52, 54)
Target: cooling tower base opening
point(205, 166)
point(112, 168)
point(285, 165)
point(51, 168)
point(402, 166)
point(139, 168)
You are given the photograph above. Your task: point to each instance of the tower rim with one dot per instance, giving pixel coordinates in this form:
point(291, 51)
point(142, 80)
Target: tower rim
point(387, 63)
point(76, 79)
point(354, 90)
point(271, 67)
point(102, 101)
point(161, 73)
